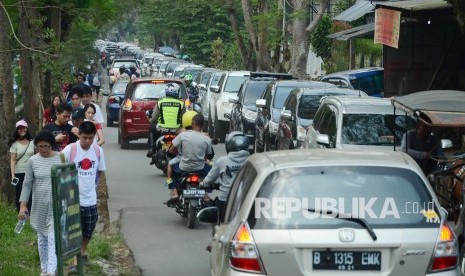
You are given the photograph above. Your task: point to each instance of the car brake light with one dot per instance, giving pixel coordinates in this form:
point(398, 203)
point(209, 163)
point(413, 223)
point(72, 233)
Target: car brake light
point(112, 100)
point(445, 255)
point(244, 255)
point(127, 105)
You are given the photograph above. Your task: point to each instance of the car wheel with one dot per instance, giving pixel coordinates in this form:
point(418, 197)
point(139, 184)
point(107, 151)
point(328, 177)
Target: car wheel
point(110, 122)
point(220, 133)
point(124, 143)
point(210, 127)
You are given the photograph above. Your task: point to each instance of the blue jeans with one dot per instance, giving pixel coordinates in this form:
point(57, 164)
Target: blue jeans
point(177, 174)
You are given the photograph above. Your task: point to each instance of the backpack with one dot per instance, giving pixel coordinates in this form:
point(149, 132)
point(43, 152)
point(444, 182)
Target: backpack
point(96, 80)
point(72, 156)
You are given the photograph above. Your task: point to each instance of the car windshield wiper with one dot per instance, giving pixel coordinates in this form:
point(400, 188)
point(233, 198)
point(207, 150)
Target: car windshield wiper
point(360, 221)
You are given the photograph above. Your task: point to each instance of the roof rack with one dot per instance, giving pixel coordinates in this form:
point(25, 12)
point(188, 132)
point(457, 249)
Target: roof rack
point(281, 76)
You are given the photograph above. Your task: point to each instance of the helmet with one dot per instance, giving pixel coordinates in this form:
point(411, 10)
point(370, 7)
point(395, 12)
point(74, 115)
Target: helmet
point(187, 118)
point(236, 141)
point(132, 68)
point(122, 69)
point(172, 90)
point(188, 77)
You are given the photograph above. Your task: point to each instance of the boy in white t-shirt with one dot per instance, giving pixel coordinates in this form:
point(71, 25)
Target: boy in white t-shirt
point(90, 163)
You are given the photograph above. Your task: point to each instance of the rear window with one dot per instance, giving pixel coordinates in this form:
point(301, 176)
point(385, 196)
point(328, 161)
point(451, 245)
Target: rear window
point(118, 64)
point(233, 83)
point(119, 88)
point(384, 197)
point(153, 91)
point(372, 85)
point(254, 91)
point(308, 106)
point(372, 129)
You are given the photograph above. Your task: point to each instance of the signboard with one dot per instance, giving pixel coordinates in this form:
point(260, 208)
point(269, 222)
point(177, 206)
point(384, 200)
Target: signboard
point(387, 27)
point(66, 212)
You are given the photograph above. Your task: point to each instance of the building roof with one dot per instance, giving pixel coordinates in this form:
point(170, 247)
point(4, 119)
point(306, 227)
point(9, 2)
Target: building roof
point(416, 5)
point(358, 31)
point(358, 10)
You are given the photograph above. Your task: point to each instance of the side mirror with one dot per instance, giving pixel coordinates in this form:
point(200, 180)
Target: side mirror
point(209, 215)
point(203, 86)
point(446, 144)
point(233, 99)
point(215, 88)
point(286, 114)
point(322, 139)
point(260, 103)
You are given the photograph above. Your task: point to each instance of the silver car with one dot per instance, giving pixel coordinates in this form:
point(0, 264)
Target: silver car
point(336, 212)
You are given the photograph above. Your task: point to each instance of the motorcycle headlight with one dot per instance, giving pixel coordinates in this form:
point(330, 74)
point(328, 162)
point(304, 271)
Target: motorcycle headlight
point(249, 115)
point(273, 127)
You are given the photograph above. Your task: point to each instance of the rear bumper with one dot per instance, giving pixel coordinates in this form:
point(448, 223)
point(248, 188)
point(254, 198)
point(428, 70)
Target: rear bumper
point(133, 131)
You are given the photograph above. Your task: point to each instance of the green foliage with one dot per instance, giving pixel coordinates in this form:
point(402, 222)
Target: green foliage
point(217, 55)
point(459, 10)
point(232, 60)
point(18, 254)
point(368, 48)
point(320, 42)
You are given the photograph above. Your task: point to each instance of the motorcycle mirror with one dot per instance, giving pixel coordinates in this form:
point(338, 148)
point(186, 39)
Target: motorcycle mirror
point(209, 215)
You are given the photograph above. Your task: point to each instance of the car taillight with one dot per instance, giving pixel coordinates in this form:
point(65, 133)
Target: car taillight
point(445, 255)
point(244, 255)
point(127, 105)
point(112, 100)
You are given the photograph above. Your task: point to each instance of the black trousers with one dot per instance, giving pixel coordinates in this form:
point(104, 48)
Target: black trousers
point(18, 189)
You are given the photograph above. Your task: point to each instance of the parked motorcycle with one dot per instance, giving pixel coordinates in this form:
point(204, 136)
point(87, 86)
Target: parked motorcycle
point(191, 198)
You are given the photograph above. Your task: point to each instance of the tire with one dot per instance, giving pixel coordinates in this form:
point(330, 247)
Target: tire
point(124, 143)
point(210, 127)
point(191, 217)
point(220, 132)
point(110, 122)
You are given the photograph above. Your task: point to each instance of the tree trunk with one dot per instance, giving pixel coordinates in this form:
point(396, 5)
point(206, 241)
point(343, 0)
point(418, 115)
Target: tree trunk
point(264, 59)
point(29, 29)
point(237, 33)
point(301, 37)
point(247, 12)
point(7, 112)
point(279, 49)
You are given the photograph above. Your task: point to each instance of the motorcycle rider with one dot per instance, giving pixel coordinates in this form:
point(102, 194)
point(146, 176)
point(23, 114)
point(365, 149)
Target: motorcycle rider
point(226, 167)
point(196, 147)
point(166, 116)
point(133, 72)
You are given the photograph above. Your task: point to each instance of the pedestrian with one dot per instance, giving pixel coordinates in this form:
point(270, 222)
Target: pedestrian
point(38, 181)
point(50, 113)
point(89, 113)
point(96, 82)
point(87, 99)
point(21, 150)
point(61, 129)
point(90, 163)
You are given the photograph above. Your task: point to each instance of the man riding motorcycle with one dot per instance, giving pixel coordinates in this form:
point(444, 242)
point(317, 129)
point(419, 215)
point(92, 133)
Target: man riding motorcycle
point(166, 116)
point(193, 94)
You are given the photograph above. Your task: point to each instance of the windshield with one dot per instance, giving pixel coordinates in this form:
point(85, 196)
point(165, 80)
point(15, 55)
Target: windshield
point(395, 198)
point(194, 73)
point(233, 83)
point(372, 85)
point(280, 95)
point(308, 106)
point(153, 91)
point(372, 129)
point(254, 91)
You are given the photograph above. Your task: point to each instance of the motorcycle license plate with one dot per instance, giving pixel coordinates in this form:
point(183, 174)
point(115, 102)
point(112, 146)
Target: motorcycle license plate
point(193, 193)
point(347, 260)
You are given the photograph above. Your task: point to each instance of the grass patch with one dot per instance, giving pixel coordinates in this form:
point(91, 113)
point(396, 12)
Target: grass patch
point(19, 254)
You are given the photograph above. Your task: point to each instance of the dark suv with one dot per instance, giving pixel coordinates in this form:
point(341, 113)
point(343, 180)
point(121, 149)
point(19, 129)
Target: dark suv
point(269, 110)
point(141, 95)
point(244, 111)
point(298, 112)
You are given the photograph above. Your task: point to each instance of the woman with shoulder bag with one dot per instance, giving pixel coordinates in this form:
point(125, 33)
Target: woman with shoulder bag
point(21, 149)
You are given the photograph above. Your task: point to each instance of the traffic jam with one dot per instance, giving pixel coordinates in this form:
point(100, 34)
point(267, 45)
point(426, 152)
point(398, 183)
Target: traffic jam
point(348, 173)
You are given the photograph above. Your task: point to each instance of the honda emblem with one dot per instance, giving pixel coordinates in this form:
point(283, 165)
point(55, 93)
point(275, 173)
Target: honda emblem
point(347, 235)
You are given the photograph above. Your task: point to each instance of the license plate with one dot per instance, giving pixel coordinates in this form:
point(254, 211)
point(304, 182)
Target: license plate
point(347, 260)
point(193, 193)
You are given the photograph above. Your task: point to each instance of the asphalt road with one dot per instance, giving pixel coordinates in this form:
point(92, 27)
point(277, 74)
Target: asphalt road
point(157, 235)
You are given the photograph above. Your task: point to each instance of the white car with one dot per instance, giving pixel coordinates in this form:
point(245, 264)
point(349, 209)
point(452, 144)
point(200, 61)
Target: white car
point(331, 212)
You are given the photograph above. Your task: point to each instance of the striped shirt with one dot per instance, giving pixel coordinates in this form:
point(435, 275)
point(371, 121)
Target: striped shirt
point(38, 180)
